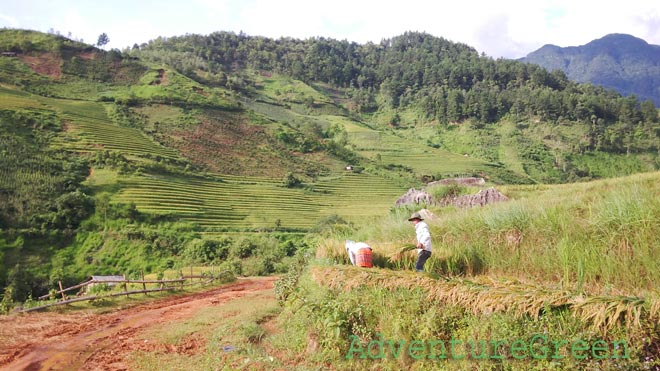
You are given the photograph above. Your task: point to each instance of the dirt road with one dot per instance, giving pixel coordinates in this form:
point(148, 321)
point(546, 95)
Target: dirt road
point(88, 341)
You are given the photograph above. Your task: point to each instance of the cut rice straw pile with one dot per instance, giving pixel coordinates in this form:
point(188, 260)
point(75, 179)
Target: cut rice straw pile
point(487, 296)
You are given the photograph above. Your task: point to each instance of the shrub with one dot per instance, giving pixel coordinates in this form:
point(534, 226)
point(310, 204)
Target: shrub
point(253, 332)
point(447, 191)
point(243, 248)
point(291, 181)
point(206, 251)
point(233, 265)
point(7, 302)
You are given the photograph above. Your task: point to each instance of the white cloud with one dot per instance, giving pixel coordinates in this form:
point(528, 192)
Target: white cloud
point(215, 6)
point(72, 21)
point(133, 32)
point(8, 21)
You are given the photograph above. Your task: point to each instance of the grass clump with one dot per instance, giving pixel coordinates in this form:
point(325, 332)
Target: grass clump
point(441, 191)
point(252, 332)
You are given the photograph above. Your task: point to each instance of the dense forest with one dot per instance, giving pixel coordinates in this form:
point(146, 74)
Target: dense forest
point(445, 81)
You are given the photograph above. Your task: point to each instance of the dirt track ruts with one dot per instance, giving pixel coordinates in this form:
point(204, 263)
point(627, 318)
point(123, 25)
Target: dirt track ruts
point(83, 341)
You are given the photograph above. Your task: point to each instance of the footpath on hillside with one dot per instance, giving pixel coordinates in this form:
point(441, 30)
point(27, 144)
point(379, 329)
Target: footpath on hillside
point(83, 341)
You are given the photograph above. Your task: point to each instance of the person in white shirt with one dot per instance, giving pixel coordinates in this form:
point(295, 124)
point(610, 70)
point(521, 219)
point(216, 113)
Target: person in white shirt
point(424, 245)
point(352, 249)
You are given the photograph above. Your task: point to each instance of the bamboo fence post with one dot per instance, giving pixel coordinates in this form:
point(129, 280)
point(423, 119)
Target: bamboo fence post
point(61, 290)
point(126, 284)
point(144, 285)
point(65, 290)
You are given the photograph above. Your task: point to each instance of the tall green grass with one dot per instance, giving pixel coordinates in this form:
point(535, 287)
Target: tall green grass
point(599, 236)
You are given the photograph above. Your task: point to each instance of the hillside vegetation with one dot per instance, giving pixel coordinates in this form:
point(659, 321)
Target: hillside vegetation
point(232, 150)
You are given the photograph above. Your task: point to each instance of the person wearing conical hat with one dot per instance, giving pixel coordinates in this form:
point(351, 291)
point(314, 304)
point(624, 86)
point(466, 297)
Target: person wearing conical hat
point(424, 245)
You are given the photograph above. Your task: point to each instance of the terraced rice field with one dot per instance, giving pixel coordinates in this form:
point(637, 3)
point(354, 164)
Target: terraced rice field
point(89, 121)
point(399, 151)
point(14, 99)
point(245, 203)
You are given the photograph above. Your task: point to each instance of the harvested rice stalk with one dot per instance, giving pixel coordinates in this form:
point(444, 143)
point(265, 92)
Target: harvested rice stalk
point(399, 254)
point(654, 310)
point(605, 312)
point(488, 295)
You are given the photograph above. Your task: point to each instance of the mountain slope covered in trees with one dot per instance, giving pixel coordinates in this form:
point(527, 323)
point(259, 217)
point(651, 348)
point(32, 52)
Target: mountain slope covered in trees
point(426, 87)
point(622, 62)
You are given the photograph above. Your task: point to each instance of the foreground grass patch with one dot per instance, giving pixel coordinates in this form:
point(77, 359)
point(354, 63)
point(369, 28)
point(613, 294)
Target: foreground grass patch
point(226, 336)
point(357, 319)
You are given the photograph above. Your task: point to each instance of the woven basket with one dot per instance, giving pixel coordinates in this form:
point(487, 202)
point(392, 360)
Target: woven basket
point(363, 258)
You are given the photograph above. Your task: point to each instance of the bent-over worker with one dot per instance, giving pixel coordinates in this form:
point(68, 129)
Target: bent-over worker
point(352, 248)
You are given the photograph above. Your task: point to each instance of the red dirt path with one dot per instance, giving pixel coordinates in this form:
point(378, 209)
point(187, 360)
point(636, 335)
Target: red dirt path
point(87, 341)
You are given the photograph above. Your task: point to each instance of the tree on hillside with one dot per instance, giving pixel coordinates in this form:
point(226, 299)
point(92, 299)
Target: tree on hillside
point(649, 112)
point(441, 80)
point(103, 40)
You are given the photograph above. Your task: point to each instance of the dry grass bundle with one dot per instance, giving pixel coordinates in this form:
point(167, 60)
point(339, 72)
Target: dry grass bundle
point(493, 296)
point(397, 256)
point(654, 310)
point(605, 312)
point(499, 297)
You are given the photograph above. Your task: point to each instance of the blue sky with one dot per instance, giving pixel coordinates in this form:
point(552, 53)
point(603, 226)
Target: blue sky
point(502, 28)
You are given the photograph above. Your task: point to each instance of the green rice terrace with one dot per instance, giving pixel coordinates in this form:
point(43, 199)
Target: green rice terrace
point(388, 148)
point(88, 127)
point(238, 203)
point(231, 202)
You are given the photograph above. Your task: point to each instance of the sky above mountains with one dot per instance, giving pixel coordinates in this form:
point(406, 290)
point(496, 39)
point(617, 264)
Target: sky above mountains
point(504, 28)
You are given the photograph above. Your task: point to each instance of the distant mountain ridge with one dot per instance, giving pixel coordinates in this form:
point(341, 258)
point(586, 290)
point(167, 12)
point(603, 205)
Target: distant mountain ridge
point(622, 62)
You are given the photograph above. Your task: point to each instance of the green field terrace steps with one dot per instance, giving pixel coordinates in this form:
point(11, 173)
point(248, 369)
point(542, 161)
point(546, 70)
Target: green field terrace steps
point(87, 125)
point(250, 202)
point(386, 147)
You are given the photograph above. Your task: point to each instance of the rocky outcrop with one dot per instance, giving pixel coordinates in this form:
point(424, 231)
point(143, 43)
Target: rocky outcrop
point(414, 196)
point(481, 198)
point(426, 214)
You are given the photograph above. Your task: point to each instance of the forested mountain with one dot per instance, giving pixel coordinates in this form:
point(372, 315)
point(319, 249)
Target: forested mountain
point(622, 62)
point(444, 81)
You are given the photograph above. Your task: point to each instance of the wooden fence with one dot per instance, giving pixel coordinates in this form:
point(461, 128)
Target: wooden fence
point(164, 285)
